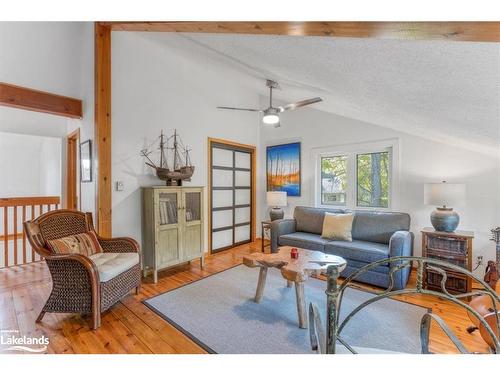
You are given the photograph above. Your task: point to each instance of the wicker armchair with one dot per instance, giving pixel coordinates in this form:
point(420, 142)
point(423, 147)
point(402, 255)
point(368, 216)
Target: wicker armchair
point(76, 281)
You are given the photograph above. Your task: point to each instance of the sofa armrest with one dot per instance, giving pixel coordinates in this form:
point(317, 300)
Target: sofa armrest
point(401, 244)
point(278, 228)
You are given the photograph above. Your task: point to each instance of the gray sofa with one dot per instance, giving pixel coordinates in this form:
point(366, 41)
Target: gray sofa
point(376, 235)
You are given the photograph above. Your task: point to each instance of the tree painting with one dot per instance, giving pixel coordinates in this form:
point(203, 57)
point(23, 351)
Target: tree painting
point(283, 168)
point(373, 179)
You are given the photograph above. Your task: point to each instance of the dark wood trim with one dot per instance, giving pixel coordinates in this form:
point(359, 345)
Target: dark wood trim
point(72, 179)
point(230, 145)
point(102, 138)
point(39, 101)
point(453, 31)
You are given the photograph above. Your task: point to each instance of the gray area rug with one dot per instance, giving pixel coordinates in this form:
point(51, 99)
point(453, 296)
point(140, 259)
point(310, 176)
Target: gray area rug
point(218, 313)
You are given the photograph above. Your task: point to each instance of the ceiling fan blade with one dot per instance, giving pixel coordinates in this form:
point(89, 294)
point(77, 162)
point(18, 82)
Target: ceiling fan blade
point(241, 109)
point(299, 104)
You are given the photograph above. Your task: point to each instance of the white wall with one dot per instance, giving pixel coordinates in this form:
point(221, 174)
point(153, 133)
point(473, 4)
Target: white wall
point(421, 161)
point(156, 85)
point(30, 165)
point(57, 57)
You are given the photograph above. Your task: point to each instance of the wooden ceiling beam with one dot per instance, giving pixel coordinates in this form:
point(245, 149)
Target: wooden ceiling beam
point(453, 31)
point(39, 101)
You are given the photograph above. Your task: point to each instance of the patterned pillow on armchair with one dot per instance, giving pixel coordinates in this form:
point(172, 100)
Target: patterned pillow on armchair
point(82, 243)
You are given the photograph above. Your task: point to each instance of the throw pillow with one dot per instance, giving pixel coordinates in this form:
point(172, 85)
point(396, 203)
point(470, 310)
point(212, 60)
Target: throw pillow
point(337, 226)
point(82, 243)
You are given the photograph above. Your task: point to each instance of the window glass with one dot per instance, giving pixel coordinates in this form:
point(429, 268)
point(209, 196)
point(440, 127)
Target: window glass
point(334, 180)
point(372, 179)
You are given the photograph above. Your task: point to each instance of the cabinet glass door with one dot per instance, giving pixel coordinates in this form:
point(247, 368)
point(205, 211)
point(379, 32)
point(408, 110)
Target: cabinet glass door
point(193, 206)
point(167, 206)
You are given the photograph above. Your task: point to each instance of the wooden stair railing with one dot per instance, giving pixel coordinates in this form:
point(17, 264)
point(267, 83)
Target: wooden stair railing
point(12, 237)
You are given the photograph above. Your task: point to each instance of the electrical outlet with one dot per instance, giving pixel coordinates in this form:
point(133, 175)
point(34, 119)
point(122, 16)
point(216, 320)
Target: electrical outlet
point(119, 186)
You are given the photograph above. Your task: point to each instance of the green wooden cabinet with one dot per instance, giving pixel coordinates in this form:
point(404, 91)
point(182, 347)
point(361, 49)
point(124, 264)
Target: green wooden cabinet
point(172, 227)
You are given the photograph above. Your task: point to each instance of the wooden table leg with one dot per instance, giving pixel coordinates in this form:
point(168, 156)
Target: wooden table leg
point(301, 304)
point(261, 284)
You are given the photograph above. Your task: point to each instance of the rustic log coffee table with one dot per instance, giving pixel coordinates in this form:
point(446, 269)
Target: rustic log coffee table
point(293, 271)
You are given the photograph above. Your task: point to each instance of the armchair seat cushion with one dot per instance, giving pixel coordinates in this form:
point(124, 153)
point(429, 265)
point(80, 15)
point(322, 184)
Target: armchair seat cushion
point(362, 251)
point(110, 265)
point(304, 240)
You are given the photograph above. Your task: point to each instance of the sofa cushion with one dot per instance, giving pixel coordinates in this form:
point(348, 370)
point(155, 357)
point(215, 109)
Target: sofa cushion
point(358, 250)
point(377, 226)
point(304, 240)
point(110, 265)
point(337, 226)
point(310, 219)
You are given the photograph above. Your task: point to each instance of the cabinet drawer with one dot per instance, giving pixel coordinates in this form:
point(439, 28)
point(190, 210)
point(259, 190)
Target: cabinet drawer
point(454, 283)
point(457, 260)
point(447, 245)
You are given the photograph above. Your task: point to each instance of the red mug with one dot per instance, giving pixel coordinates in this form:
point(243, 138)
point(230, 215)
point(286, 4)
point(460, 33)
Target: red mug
point(294, 253)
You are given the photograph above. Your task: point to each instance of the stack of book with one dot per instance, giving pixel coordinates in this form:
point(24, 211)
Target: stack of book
point(168, 212)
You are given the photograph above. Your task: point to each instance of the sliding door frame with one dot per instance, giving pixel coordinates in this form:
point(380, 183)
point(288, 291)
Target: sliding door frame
point(253, 193)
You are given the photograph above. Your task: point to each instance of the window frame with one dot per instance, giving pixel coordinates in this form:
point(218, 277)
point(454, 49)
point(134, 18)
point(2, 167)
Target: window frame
point(351, 151)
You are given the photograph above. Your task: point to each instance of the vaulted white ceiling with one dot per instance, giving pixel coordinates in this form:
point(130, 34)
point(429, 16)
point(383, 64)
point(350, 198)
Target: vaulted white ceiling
point(442, 90)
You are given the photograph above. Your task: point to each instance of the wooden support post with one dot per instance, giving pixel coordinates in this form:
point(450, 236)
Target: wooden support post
point(102, 136)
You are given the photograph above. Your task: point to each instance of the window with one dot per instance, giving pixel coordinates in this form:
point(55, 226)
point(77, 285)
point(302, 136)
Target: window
point(356, 178)
point(334, 180)
point(372, 179)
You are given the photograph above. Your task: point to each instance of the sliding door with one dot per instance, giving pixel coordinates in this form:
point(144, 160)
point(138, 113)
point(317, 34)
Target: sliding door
point(231, 195)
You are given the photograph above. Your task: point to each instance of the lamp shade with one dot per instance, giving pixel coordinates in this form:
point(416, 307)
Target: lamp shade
point(276, 198)
point(444, 194)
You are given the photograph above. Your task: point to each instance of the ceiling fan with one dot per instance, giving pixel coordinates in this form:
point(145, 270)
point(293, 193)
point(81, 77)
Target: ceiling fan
point(271, 114)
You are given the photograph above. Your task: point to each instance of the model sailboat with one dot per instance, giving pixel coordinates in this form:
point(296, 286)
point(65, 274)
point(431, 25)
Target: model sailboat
point(181, 170)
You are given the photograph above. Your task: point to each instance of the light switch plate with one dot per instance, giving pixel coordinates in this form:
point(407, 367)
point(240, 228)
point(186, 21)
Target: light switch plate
point(119, 186)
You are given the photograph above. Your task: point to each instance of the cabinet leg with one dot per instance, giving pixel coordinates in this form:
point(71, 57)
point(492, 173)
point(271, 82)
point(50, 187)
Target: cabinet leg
point(155, 276)
point(261, 284)
point(202, 262)
point(301, 304)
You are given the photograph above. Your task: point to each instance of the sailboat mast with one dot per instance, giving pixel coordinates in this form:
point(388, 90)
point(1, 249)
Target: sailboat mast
point(161, 149)
point(175, 150)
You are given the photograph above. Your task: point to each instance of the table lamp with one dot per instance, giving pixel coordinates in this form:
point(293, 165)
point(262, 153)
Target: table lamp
point(444, 196)
point(276, 200)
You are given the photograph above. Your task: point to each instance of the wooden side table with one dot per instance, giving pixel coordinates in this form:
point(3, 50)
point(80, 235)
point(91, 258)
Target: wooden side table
point(265, 231)
point(455, 248)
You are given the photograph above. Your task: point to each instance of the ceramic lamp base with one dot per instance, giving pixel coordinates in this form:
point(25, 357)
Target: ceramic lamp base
point(444, 219)
point(276, 213)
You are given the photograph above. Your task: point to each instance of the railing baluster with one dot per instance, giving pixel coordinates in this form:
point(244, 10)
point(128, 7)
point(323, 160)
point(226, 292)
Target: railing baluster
point(6, 236)
point(38, 205)
point(24, 236)
point(15, 234)
point(32, 218)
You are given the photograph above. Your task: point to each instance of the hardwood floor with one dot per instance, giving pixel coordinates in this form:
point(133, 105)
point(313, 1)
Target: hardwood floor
point(130, 327)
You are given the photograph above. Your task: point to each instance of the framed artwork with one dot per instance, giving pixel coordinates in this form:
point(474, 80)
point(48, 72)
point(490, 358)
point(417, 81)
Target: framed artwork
point(86, 161)
point(283, 168)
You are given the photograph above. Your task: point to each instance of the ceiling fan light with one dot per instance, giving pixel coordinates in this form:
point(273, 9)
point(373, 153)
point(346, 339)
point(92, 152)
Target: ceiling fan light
point(271, 119)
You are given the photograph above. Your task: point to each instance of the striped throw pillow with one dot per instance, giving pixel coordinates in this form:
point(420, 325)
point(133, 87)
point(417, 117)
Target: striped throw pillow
point(83, 243)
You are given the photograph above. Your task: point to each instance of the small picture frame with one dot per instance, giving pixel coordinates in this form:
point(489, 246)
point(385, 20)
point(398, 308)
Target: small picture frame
point(86, 161)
